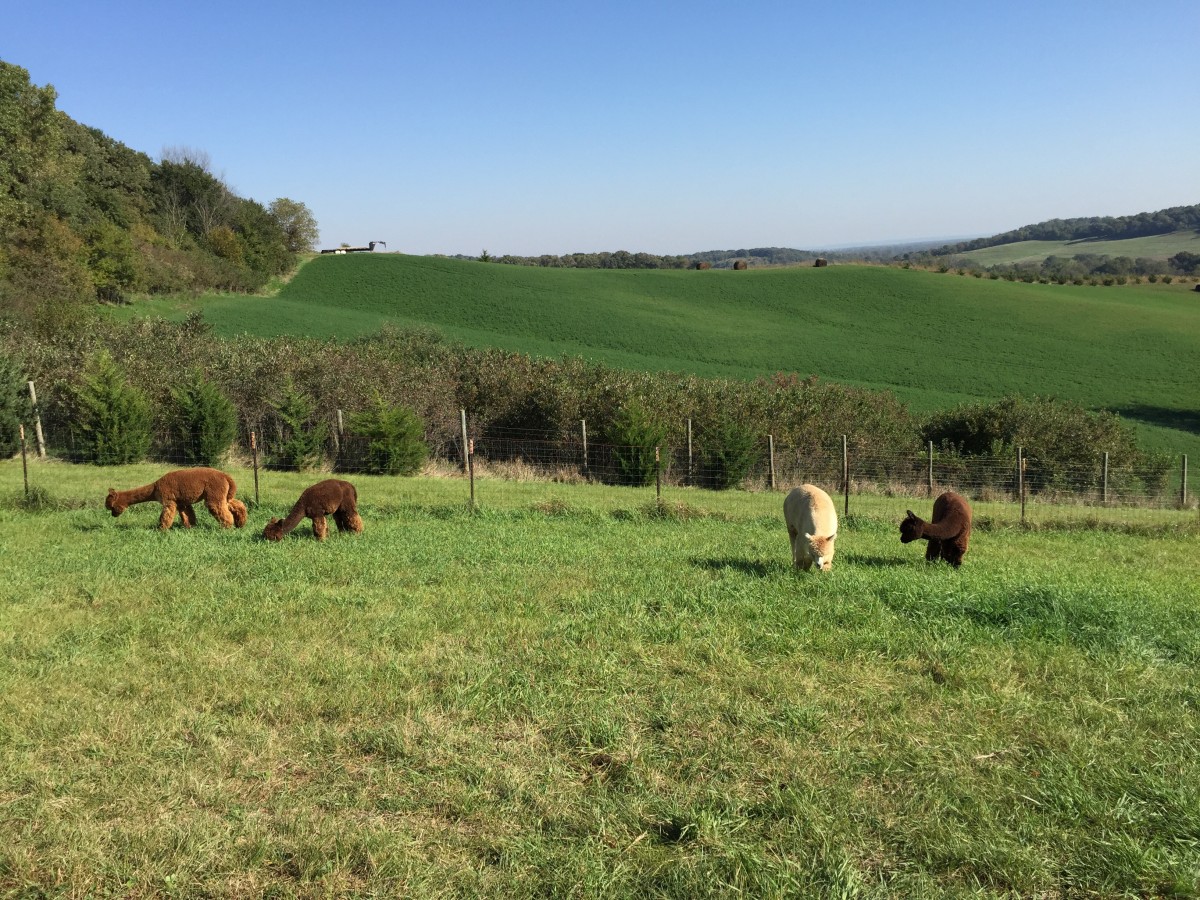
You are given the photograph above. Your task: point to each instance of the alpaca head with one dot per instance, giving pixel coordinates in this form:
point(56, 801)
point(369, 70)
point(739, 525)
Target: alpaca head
point(910, 528)
point(274, 530)
point(114, 503)
point(821, 549)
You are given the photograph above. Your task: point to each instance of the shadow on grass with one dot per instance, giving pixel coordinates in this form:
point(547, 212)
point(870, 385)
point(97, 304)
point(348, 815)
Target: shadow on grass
point(875, 562)
point(1180, 419)
point(755, 568)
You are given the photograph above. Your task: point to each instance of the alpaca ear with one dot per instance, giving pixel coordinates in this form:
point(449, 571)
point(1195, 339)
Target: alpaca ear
point(807, 536)
point(911, 514)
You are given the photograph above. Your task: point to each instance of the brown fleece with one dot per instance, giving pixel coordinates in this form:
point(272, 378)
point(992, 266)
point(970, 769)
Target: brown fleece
point(949, 532)
point(331, 496)
point(178, 490)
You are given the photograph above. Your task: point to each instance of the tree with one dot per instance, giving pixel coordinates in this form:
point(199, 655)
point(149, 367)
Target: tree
point(298, 224)
point(113, 423)
point(396, 439)
point(204, 422)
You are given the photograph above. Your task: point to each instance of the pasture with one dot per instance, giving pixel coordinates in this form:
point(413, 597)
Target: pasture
point(934, 340)
point(571, 691)
point(1157, 246)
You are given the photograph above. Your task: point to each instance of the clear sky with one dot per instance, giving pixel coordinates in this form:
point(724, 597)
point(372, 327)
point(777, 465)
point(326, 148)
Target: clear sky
point(665, 127)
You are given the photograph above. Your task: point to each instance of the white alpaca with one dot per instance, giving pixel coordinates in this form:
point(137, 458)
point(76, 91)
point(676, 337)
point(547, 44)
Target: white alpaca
point(812, 525)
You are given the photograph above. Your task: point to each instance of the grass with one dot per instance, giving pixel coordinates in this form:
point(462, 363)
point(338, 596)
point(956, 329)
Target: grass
point(1158, 246)
point(572, 692)
point(934, 340)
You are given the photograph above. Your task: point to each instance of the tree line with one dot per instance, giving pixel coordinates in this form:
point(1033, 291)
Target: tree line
point(85, 218)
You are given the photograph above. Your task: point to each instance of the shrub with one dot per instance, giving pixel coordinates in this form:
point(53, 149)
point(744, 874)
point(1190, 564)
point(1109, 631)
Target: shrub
point(112, 422)
point(203, 424)
point(14, 405)
point(299, 442)
point(636, 435)
point(396, 439)
point(732, 451)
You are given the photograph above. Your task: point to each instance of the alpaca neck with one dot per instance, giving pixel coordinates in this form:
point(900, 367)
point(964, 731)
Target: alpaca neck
point(293, 519)
point(138, 494)
point(947, 528)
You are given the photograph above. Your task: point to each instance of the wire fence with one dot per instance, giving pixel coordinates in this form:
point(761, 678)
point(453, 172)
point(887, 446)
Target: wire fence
point(868, 482)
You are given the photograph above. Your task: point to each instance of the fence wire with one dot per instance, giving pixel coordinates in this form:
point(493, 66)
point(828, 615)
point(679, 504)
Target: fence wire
point(884, 482)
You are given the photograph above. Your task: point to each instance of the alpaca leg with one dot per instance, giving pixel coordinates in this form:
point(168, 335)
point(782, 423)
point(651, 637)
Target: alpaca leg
point(168, 515)
point(319, 527)
point(953, 553)
point(220, 512)
point(187, 515)
point(354, 523)
point(240, 515)
point(792, 539)
point(934, 550)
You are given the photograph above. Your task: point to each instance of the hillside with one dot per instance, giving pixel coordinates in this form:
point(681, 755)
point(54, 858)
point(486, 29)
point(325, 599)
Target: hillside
point(935, 340)
point(1157, 247)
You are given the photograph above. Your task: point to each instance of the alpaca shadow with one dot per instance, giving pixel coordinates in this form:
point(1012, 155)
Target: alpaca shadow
point(755, 568)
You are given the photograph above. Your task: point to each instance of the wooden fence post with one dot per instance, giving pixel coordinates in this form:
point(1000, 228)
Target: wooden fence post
point(771, 461)
point(1104, 482)
point(338, 433)
point(37, 422)
point(846, 474)
point(583, 424)
point(1021, 480)
point(466, 454)
point(24, 465)
point(689, 439)
point(254, 458)
point(657, 475)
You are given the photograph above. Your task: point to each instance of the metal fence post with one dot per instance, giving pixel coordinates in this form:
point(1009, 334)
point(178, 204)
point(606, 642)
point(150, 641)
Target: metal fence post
point(771, 461)
point(846, 473)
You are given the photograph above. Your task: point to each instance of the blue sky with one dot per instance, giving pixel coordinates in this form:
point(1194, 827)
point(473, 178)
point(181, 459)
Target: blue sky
point(555, 127)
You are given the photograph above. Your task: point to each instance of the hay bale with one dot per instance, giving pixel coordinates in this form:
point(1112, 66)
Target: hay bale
point(703, 265)
point(820, 262)
point(740, 264)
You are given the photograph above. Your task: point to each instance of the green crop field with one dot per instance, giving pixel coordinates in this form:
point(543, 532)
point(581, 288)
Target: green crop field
point(1158, 246)
point(935, 340)
point(572, 693)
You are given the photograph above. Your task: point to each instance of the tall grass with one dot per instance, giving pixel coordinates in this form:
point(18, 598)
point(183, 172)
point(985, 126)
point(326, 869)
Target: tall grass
point(582, 693)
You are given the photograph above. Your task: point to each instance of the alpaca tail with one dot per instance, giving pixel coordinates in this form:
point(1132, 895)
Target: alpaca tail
point(238, 508)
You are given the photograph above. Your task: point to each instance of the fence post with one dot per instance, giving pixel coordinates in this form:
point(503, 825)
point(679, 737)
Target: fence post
point(931, 468)
point(771, 461)
point(657, 476)
point(338, 433)
point(1183, 485)
point(846, 474)
point(583, 423)
point(689, 439)
point(254, 457)
point(1104, 483)
point(466, 455)
point(24, 465)
point(471, 469)
point(1021, 480)
point(37, 422)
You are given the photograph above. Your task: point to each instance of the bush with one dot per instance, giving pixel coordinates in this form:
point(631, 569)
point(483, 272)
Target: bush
point(204, 422)
point(112, 425)
point(636, 436)
point(396, 439)
point(14, 405)
point(300, 442)
point(731, 452)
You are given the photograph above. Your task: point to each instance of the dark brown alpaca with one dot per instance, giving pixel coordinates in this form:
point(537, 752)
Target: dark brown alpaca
point(949, 532)
point(324, 498)
point(178, 490)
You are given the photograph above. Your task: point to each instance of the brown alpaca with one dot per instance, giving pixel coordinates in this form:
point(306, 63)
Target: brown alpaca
point(331, 496)
point(178, 490)
point(949, 532)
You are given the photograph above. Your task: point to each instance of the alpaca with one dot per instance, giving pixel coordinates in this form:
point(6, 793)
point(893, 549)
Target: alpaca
point(321, 499)
point(949, 532)
point(178, 490)
point(812, 525)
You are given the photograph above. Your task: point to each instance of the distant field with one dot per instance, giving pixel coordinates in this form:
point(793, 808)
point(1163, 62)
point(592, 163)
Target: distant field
point(1158, 246)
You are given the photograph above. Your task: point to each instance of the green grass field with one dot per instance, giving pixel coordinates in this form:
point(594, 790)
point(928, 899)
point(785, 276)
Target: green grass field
point(567, 693)
point(1158, 246)
point(935, 340)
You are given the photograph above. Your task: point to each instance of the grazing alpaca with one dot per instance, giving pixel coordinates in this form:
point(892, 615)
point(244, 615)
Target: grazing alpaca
point(178, 490)
point(323, 498)
point(949, 532)
point(812, 527)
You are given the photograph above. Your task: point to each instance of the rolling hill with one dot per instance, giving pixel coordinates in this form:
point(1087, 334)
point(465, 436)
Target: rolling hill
point(935, 340)
point(1157, 246)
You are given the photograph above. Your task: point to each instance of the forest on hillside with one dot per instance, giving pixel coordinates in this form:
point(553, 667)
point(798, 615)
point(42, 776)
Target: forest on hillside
point(84, 218)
